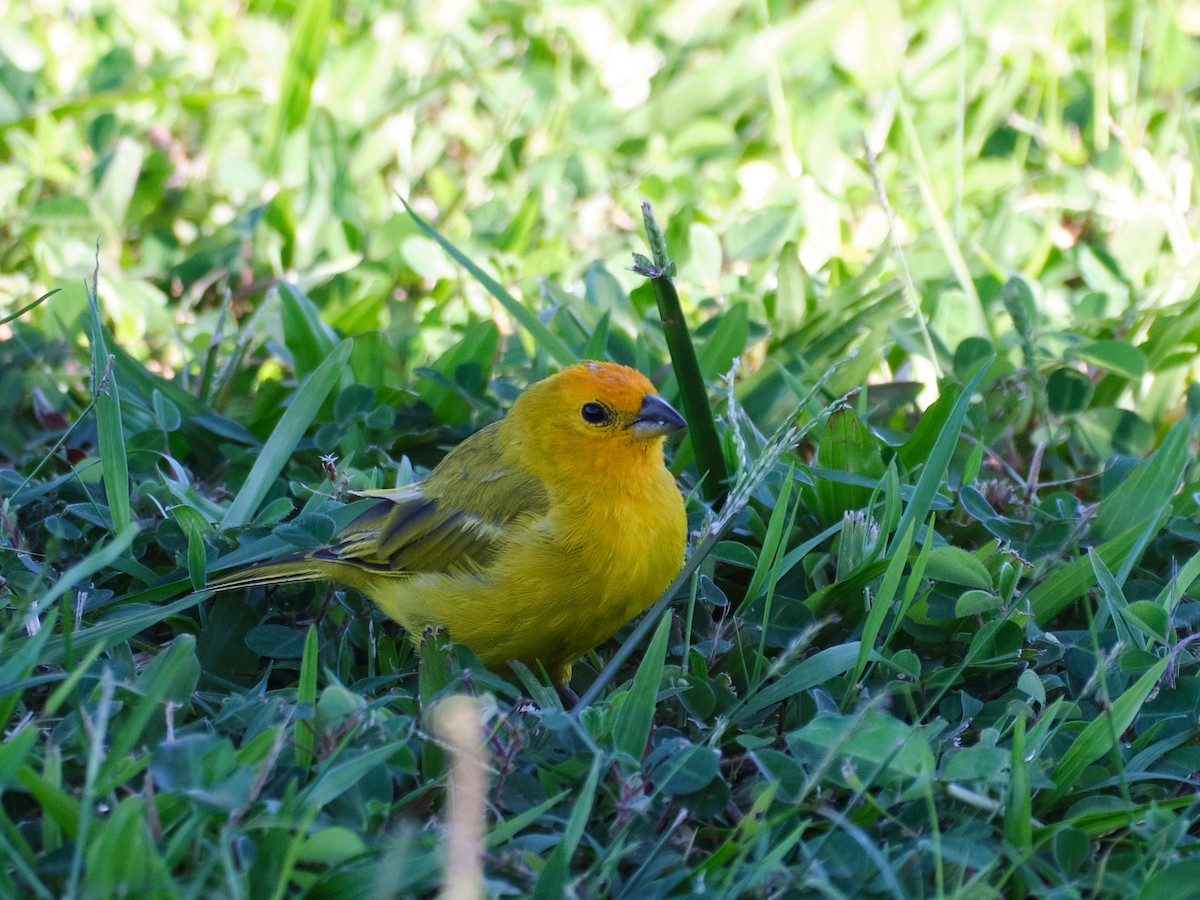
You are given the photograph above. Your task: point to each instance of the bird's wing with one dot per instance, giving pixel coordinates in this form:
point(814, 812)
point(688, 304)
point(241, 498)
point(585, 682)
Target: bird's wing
point(457, 519)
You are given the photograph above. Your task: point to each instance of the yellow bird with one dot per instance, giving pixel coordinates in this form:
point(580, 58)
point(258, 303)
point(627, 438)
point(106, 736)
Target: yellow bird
point(535, 539)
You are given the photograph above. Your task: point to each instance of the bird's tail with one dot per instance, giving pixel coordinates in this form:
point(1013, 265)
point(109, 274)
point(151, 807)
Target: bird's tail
point(289, 570)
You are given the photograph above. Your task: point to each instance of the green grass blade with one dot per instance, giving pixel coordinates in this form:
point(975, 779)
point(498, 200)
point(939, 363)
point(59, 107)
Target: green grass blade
point(303, 735)
point(543, 336)
point(1018, 813)
point(171, 677)
point(1114, 603)
point(130, 619)
point(341, 775)
point(194, 524)
point(18, 663)
point(632, 727)
point(772, 546)
point(113, 461)
point(984, 323)
point(307, 45)
point(774, 573)
point(109, 432)
point(808, 673)
point(100, 558)
point(60, 694)
point(96, 754)
point(12, 317)
point(59, 805)
point(702, 428)
point(882, 603)
point(1182, 582)
point(278, 448)
point(307, 336)
point(597, 345)
point(938, 463)
point(1096, 739)
point(1067, 583)
point(14, 751)
point(507, 829)
point(552, 883)
point(1148, 488)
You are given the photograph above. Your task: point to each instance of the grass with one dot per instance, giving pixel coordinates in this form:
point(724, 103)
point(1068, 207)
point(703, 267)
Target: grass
point(938, 261)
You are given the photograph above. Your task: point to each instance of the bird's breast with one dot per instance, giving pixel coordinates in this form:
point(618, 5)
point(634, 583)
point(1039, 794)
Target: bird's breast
point(632, 541)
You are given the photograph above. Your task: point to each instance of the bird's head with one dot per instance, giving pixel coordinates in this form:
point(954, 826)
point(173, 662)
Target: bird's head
point(595, 409)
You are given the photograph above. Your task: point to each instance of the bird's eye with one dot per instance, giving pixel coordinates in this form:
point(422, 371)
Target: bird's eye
point(595, 413)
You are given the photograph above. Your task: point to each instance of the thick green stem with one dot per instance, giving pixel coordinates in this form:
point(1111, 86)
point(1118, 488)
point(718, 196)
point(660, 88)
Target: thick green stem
point(696, 409)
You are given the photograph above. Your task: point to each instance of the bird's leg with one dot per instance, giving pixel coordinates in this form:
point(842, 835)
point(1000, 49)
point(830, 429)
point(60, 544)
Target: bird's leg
point(567, 695)
point(325, 604)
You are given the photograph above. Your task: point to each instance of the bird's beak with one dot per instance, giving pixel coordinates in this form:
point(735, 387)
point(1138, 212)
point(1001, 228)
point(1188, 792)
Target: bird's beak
point(656, 418)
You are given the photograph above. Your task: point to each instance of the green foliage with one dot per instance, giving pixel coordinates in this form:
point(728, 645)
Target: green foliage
point(936, 261)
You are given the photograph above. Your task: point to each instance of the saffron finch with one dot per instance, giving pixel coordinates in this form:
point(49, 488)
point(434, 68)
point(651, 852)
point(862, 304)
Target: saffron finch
point(535, 539)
